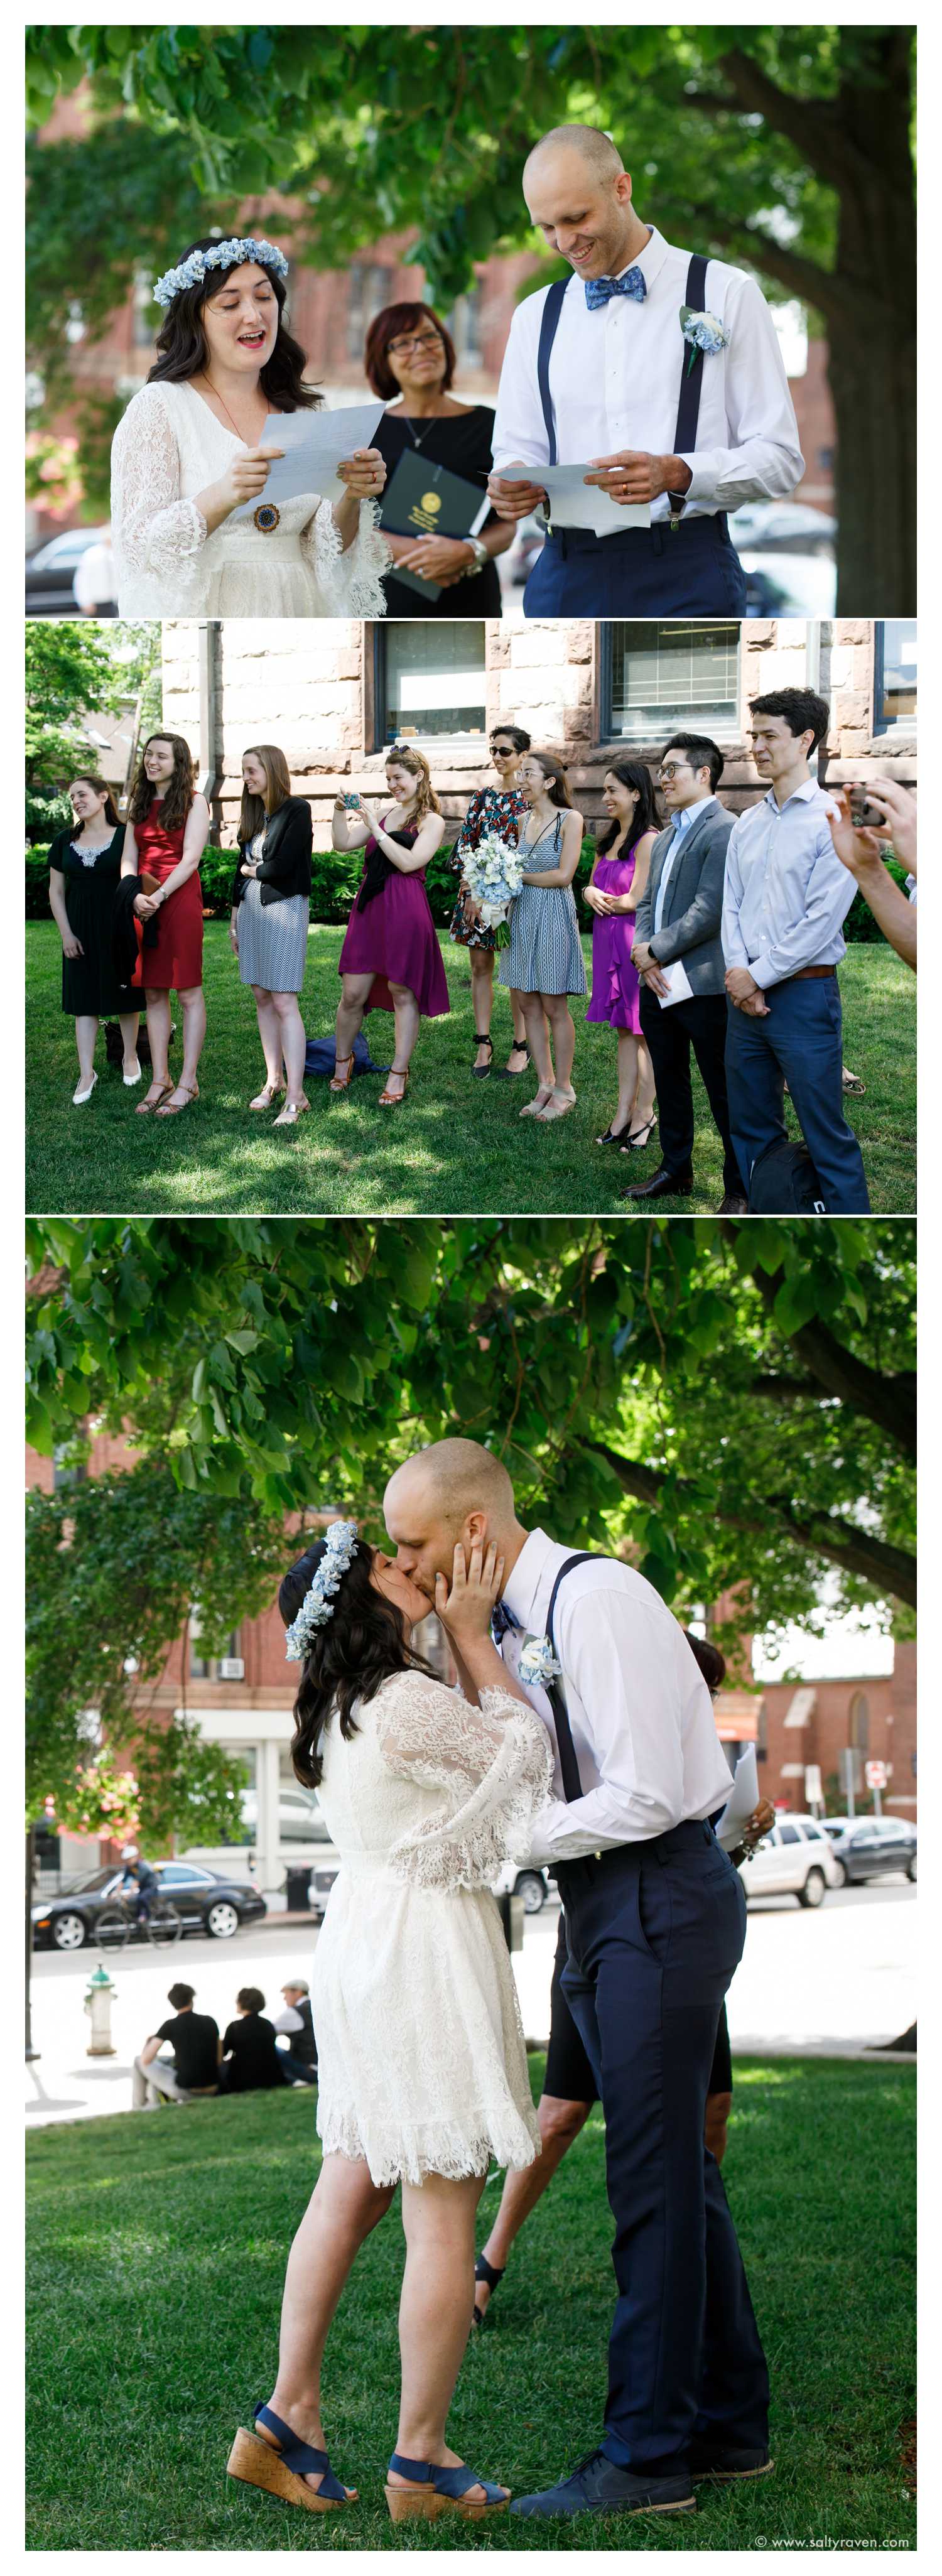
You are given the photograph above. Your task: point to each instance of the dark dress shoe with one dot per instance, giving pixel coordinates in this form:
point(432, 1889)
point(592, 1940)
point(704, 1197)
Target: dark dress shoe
point(727, 2460)
point(662, 1185)
point(733, 1206)
point(598, 2485)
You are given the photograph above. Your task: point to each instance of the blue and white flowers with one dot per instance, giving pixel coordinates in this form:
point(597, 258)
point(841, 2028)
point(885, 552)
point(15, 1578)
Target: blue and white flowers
point(536, 1661)
point(224, 254)
point(493, 874)
point(702, 331)
point(318, 1603)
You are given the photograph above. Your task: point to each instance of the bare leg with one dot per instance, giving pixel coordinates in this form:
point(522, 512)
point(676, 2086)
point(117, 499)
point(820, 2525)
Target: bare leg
point(434, 2312)
point(86, 1032)
point(292, 1041)
point(482, 997)
point(355, 992)
point(563, 1038)
point(270, 1034)
point(158, 1031)
point(635, 1082)
point(560, 2122)
point(539, 1045)
point(344, 2207)
point(517, 1016)
point(718, 2108)
point(406, 1015)
point(128, 1023)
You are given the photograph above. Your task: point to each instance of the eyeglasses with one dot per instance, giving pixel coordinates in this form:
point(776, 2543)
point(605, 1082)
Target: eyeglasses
point(413, 340)
point(673, 770)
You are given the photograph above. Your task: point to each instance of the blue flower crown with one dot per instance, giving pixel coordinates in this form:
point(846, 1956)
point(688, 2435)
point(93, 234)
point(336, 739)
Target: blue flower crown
point(318, 1603)
point(226, 254)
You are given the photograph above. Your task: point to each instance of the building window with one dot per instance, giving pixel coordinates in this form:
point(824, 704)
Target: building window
point(894, 673)
point(67, 1470)
point(430, 680)
point(368, 287)
point(243, 1828)
point(656, 675)
point(210, 1668)
point(859, 1736)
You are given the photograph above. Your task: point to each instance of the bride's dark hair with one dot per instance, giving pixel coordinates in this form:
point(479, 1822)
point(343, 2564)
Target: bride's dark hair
point(181, 340)
point(361, 1644)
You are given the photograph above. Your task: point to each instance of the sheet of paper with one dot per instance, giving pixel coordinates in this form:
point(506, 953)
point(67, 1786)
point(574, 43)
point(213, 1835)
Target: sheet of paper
point(742, 1801)
point(681, 988)
point(573, 503)
point(314, 443)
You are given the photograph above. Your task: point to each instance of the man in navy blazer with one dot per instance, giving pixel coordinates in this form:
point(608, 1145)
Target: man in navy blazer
point(678, 920)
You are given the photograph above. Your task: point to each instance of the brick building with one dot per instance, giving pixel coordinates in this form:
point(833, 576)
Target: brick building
point(335, 696)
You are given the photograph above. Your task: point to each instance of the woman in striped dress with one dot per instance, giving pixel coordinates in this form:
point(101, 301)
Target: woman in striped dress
point(271, 906)
point(544, 960)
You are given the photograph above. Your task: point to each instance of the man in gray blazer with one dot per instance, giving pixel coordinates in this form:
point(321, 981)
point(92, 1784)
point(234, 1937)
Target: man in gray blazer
point(679, 917)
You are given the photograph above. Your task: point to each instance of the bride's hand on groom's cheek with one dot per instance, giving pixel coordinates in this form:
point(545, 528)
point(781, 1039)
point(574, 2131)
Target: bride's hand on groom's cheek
point(464, 1607)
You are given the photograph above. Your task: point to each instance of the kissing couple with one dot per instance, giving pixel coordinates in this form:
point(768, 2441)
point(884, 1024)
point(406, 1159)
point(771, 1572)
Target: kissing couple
point(580, 1736)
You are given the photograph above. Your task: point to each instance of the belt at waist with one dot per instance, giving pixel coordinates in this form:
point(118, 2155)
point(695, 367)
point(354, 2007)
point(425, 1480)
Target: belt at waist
point(805, 975)
point(626, 1857)
point(251, 542)
point(635, 540)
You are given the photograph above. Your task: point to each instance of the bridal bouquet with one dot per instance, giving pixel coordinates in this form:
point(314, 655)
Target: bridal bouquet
point(493, 874)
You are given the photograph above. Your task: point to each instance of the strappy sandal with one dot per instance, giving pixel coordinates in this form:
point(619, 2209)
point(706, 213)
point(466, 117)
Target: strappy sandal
point(284, 2472)
point(436, 2491)
point(638, 1137)
point(143, 1108)
point(266, 1098)
point(341, 1082)
point(292, 1111)
point(503, 1073)
point(485, 2271)
point(394, 1099)
point(614, 1135)
point(191, 1091)
point(480, 1071)
point(558, 1105)
point(531, 1108)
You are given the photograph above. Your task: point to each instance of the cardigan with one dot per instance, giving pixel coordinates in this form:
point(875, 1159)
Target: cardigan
point(286, 866)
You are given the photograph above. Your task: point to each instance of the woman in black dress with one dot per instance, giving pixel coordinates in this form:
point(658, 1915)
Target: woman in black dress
point(84, 867)
point(409, 354)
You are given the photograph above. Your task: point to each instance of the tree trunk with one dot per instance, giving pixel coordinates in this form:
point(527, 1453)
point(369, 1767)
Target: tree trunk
point(872, 344)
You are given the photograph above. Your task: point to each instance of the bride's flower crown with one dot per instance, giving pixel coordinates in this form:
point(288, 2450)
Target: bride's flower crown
point(224, 254)
point(318, 1603)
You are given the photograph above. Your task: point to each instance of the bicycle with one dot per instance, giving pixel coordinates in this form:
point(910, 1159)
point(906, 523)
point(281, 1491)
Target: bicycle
point(116, 1924)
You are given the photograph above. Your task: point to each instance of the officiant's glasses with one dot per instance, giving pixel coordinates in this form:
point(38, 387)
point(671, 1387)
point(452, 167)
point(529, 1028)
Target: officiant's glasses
point(413, 340)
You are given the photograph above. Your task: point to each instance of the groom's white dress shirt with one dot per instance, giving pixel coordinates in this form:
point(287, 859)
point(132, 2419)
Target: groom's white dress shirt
point(640, 1713)
point(615, 378)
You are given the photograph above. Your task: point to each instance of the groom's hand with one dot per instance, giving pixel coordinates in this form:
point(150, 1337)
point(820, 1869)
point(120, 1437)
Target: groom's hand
point(633, 476)
point(513, 499)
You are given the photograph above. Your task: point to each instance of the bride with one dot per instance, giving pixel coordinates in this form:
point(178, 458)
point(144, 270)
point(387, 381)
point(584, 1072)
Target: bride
point(423, 2072)
point(186, 455)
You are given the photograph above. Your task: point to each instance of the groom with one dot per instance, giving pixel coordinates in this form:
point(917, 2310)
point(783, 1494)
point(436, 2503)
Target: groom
point(655, 1922)
point(597, 370)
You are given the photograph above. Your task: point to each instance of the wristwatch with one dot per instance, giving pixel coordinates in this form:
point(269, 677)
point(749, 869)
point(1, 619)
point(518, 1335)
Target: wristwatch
point(481, 555)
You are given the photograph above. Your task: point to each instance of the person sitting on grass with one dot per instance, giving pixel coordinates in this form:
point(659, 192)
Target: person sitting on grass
point(193, 2070)
point(299, 2059)
point(251, 2059)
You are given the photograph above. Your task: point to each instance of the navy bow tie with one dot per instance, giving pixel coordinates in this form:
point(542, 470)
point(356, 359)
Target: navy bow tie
point(501, 1620)
point(598, 290)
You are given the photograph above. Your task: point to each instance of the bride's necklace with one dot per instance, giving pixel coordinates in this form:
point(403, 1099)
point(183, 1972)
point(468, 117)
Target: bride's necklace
point(214, 389)
point(266, 517)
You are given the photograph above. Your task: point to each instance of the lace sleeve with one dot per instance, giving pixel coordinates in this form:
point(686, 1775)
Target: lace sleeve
point(153, 531)
point(349, 579)
point(494, 1764)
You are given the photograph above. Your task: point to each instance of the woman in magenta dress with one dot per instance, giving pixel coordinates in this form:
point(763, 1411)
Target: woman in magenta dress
point(390, 959)
point(613, 893)
point(167, 831)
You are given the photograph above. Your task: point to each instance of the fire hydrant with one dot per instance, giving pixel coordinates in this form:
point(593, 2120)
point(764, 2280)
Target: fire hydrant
point(98, 1996)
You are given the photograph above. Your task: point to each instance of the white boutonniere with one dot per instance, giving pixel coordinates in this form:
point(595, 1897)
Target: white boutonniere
point(537, 1662)
point(702, 331)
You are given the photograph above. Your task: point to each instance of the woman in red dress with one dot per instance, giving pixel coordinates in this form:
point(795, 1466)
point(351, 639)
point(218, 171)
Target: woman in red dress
point(167, 831)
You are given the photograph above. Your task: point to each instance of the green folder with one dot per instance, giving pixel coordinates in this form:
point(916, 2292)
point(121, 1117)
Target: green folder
point(424, 500)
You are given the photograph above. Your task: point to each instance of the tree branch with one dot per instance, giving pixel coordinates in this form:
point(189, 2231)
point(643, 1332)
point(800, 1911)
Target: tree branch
point(889, 1402)
point(890, 1569)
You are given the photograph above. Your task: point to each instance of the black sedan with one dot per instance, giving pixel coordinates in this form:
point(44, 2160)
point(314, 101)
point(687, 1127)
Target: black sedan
point(204, 1901)
point(874, 1847)
point(51, 570)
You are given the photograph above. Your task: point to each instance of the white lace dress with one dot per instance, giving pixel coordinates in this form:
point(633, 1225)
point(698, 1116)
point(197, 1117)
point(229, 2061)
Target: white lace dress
point(422, 2065)
point(170, 446)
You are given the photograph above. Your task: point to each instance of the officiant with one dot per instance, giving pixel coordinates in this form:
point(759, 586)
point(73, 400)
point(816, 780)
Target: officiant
point(444, 570)
point(659, 369)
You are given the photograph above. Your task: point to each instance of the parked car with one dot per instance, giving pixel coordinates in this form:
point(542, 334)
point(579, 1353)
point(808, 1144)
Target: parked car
point(782, 584)
point(786, 527)
point(875, 1847)
point(51, 568)
point(205, 1902)
point(795, 1859)
point(531, 1885)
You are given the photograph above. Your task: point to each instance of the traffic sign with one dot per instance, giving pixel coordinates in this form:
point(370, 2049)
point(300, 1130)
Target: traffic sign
point(876, 1775)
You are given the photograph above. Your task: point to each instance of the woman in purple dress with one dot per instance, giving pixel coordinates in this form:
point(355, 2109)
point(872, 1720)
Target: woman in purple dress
point(390, 959)
point(613, 893)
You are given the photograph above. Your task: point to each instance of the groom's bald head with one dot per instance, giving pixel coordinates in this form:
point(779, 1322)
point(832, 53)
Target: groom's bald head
point(454, 1490)
point(578, 195)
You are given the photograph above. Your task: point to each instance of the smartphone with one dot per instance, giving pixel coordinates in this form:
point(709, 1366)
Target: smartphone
point(351, 802)
point(864, 816)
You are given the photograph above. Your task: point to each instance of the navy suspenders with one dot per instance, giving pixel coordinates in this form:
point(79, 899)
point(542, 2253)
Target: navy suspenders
point(688, 409)
point(568, 1763)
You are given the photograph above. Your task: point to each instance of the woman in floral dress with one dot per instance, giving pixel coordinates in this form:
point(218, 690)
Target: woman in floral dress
point(498, 809)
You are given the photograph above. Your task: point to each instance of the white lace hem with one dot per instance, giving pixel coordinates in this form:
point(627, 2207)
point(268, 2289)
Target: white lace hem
point(348, 578)
point(433, 2147)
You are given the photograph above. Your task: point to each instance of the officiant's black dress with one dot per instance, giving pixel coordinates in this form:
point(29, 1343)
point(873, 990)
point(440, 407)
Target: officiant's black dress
point(90, 987)
point(461, 441)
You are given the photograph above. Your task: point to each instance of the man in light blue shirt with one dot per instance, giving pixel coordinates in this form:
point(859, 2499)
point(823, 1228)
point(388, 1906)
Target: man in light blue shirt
point(785, 897)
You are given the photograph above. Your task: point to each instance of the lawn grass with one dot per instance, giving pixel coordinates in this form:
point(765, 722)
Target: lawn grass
point(456, 1146)
point(158, 2252)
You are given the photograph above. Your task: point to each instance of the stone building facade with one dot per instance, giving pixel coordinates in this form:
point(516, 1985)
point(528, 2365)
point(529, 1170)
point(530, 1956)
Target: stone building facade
point(333, 696)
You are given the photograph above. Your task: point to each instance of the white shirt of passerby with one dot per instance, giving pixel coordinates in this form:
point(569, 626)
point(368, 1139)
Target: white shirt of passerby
point(640, 1713)
point(290, 2020)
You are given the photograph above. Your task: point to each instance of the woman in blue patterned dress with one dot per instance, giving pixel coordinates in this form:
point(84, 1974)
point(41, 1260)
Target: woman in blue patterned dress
point(498, 809)
point(544, 960)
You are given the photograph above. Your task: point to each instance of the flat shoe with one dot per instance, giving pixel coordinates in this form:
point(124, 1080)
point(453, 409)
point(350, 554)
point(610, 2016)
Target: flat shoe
point(79, 1097)
point(532, 1108)
point(170, 1109)
point(131, 1080)
point(266, 1098)
point(143, 1108)
point(292, 1111)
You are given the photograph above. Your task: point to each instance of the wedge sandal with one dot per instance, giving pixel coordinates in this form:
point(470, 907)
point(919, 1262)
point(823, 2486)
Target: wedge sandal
point(435, 2490)
point(284, 2473)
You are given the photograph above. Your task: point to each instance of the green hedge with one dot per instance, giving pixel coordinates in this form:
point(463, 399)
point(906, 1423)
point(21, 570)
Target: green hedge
point(336, 875)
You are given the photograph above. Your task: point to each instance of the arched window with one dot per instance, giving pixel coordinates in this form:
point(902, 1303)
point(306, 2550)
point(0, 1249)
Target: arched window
point(860, 1722)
